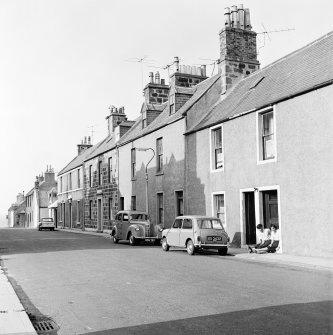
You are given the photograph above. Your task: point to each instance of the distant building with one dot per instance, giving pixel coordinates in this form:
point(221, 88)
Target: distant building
point(37, 199)
point(16, 212)
point(70, 203)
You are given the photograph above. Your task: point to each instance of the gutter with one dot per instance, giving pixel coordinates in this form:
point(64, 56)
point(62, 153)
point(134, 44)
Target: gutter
point(288, 97)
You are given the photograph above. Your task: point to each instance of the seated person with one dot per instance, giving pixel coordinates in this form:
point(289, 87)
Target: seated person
point(263, 238)
point(274, 242)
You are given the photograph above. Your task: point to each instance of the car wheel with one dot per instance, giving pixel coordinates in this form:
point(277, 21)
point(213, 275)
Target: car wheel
point(190, 247)
point(114, 239)
point(223, 251)
point(131, 240)
point(165, 245)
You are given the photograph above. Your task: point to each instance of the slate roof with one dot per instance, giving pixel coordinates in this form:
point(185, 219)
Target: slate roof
point(296, 73)
point(164, 118)
point(105, 145)
point(79, 159)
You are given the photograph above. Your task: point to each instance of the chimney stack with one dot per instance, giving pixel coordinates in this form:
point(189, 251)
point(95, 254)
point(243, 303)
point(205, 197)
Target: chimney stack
point(238, 47)
point(83, 146)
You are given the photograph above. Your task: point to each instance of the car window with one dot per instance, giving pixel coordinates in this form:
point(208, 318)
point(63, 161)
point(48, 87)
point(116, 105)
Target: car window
point(118, 216)
point(139, 217)
point(125, 217)
point(187, 224)
point(177, 223)
point(210, 224)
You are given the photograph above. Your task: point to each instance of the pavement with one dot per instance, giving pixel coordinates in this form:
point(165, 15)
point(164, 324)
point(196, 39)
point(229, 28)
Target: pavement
point(14, 318)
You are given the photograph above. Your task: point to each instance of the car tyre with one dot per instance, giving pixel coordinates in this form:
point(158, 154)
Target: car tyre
point(190, 247)
point(114, 239)
point(223, 251)
point(165, 245)
point(132, 240)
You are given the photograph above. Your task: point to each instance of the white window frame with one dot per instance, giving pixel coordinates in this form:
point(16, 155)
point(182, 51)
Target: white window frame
point(225, 205)
point(257, 190)
point(212, 159)
point(260, 160)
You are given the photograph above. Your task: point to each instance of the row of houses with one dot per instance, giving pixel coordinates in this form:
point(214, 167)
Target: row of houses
point(248, 145)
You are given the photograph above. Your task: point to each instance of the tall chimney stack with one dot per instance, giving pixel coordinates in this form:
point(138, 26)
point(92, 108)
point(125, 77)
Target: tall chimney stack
point(238, 47)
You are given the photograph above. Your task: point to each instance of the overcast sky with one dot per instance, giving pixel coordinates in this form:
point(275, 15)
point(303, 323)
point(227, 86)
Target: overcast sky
point(63, 62)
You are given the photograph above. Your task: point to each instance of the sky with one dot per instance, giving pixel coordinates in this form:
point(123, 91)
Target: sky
point(63, 62)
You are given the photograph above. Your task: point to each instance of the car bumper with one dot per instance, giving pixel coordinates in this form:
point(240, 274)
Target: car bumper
point(211, 246)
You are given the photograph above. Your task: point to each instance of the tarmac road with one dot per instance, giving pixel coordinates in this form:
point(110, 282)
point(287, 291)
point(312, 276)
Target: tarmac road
point(89, 285)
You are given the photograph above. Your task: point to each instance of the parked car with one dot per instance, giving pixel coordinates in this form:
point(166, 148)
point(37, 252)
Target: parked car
point(46, 223)
point(195, 233)
point(135, 226)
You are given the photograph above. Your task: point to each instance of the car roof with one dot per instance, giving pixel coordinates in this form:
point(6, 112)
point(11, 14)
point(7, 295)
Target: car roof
point(196, 217)
point(132, 212)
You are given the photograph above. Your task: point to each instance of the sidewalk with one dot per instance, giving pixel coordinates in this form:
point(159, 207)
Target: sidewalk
point(13, 318)
point(307, 262)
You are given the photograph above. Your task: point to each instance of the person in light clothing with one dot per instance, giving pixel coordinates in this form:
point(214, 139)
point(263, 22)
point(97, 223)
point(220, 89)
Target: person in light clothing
point(273, 246)
point(263, 238)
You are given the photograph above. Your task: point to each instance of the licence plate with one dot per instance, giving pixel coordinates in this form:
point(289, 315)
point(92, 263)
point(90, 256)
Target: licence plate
point(214, 238)
point(148, 240)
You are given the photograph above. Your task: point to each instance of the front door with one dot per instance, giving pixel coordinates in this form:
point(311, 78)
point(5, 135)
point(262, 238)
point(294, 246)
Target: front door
point(99, 214)
point(250, 218)
point(270, 208)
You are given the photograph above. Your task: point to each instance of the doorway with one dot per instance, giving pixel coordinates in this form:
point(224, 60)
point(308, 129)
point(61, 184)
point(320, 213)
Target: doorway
point(250, 218)
point(99, 215)
point(270, 208)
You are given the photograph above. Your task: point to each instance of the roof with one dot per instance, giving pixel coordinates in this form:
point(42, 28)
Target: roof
point(79, 159)
point(105, 145)
point(303, 70)
point(164, 118)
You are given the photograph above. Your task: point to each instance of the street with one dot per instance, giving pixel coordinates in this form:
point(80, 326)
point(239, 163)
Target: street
point(88, 285)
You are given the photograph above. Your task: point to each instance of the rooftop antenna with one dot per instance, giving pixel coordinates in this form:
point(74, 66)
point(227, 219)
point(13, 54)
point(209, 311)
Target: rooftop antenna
point(92, 132)
point(142, 60)
point(267, 32)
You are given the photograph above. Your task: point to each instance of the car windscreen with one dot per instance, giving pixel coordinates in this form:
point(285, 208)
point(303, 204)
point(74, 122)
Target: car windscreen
point(47, 220)
point(210, 224)
point(139, 217)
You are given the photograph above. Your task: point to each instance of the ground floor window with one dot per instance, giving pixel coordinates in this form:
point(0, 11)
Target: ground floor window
point(219, 208)
point(133, 202)
point(121, 204)
point(160, 209)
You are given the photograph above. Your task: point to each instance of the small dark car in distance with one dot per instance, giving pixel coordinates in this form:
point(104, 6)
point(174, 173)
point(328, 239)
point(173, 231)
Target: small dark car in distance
point(194, 233)
point(46, 223)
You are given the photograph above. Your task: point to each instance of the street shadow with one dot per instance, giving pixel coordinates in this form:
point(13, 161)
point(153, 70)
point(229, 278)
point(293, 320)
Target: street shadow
point(292, 319)
point(32, 241)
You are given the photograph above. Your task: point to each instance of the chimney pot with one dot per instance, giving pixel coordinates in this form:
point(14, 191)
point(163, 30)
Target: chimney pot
point(85, 140)
point(241, 16)
point(157, 78)
point(234, 16)
point(89, 140)
point(203, 70)
point(227, 17)
point(176, 64)
point(162, 81)
point(247, 20)
point(151, 77)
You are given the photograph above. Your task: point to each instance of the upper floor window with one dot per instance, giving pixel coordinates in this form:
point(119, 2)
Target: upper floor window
point(90, 176)
point(159, 154)
point(133, 163)
point(110, 169)
point(70, 181)
point(79, 178)
point(133, 202)
point(266, 136)
point(144, 119)
point(60, 185)
point(100, 173)
point(160, 209)
point(217, 152)
point(172, 109)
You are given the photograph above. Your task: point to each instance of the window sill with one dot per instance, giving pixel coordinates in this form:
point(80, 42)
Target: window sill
point(217, 170)
point(266, 161)
point(159, 173)
point(133, 179)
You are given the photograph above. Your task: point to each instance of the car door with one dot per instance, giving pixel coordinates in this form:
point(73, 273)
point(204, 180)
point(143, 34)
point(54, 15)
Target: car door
point(125, 222)
point(186, 232)
point(118, 225)
point(173, 234)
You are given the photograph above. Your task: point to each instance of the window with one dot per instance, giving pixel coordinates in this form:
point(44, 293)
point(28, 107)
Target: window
point(172, 104)
point(90, 176)
point(144, 119)
point(266, 135)
point(90, 209)
point(159, 155)
point(70, 180)
point(78, 211)
point(110, 208)
point(60, 185)
point(125, 217)
point(133, 203)
point(179, 203)
point(187, 224)
point(219, 208)
point(121, 205)
point(217, 154)
point(78, 178)
point(133, 163)
point(110, 169)
point(160, 209)
point(177, 223)
point(100, 173)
